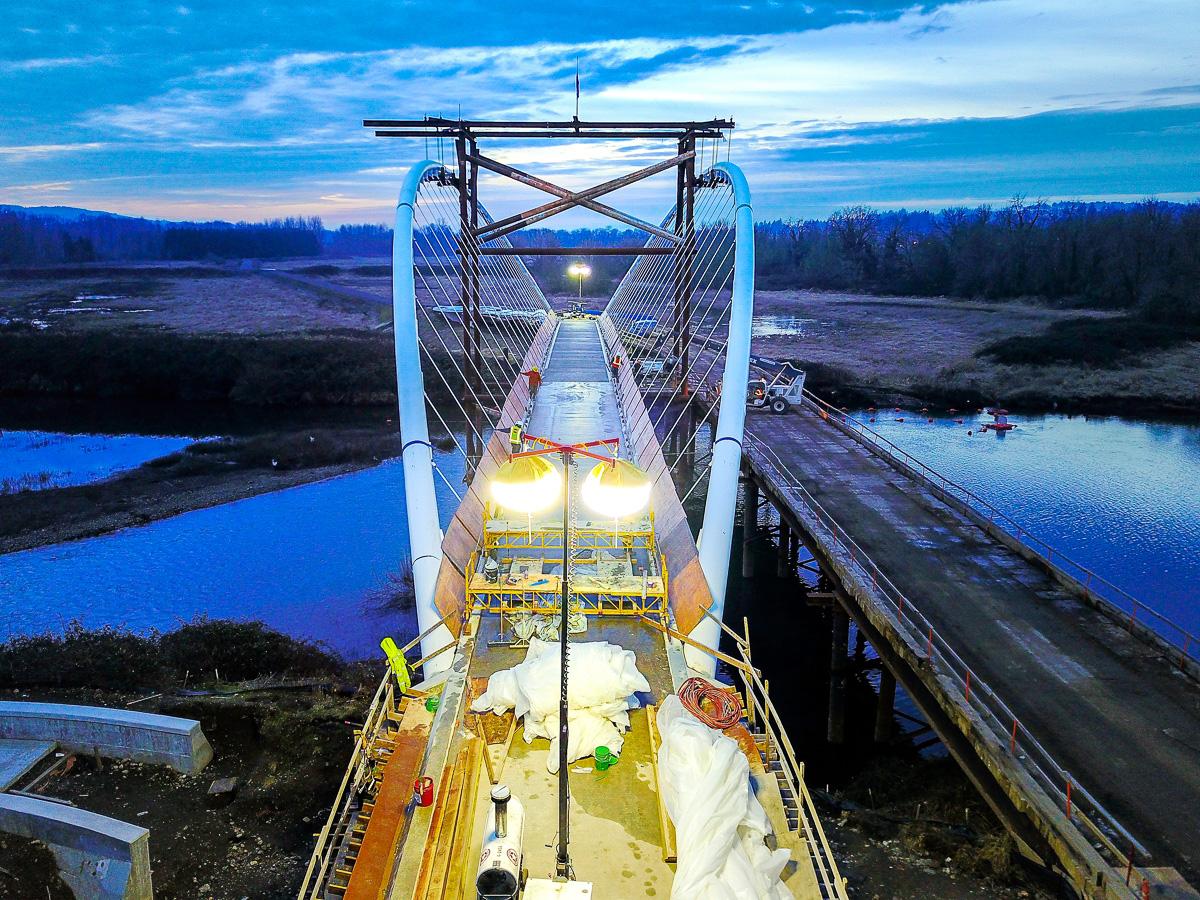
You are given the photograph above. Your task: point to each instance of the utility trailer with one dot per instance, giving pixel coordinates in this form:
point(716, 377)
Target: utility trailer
point(782, 392)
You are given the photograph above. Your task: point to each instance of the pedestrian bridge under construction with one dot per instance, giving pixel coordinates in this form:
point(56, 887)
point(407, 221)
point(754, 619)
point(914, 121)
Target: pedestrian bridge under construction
point(570, 531)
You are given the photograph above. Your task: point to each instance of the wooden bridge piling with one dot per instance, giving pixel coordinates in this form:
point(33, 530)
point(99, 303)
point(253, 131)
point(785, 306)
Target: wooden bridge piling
point(839, 646)
point(749, 525)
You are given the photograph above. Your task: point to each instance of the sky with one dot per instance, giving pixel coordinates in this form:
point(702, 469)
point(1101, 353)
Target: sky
point(236, 110)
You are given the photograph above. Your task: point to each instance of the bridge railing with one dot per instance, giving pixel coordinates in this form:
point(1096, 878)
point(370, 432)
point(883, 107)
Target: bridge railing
point(1117, 603)
point(1082, 810)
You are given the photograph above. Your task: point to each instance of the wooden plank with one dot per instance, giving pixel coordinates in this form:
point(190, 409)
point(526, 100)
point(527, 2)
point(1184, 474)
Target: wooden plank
point(512, 729)
point(737, 663)
point(377, 853)
point(435, 888)
point(461, 862)
point(429, 860)
point(664, 821)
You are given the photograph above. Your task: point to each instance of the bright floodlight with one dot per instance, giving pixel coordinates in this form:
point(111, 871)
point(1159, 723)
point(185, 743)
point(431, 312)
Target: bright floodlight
point(616, 489)
point(580, 270)
point(526, 485)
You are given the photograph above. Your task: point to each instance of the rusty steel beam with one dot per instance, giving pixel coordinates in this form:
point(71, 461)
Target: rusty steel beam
point(658, 135)
point(441, 121)
point(569, 199)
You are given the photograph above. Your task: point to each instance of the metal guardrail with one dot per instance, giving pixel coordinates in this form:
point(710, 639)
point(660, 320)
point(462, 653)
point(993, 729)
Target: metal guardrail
point(1095, 824)
point(760, 708)
point(1094, 586)
point(329, 840)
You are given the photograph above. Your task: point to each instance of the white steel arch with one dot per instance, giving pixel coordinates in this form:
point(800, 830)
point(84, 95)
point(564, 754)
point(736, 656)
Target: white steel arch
point(720, 508)
point(424, 531)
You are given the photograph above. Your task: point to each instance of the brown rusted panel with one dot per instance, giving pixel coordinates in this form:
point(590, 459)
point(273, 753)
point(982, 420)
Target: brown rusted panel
point(687, 591)
point(687, 594)
point(450, 595)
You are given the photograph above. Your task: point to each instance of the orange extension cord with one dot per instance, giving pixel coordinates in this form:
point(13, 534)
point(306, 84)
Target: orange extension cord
point(727, 708)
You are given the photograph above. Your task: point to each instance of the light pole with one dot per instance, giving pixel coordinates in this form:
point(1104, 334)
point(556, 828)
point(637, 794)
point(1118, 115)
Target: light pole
point(527, 483)
point(580, 271)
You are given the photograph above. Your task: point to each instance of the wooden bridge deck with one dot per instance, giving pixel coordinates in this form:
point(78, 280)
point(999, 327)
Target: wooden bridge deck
point(1109, 708)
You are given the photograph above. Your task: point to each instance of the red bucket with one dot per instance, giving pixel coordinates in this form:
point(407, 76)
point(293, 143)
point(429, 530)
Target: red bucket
point(423, 791)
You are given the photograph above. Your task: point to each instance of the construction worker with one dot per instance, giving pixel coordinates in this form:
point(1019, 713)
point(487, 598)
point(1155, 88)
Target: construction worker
point(616, 368)
point(535, 381)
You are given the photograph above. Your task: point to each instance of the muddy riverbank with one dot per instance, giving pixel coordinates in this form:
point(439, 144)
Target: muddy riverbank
point(861, 350)
point(205, 474)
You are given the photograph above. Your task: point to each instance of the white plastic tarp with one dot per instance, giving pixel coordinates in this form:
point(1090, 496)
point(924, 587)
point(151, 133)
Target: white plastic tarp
point(720, 827)
point(602, 679)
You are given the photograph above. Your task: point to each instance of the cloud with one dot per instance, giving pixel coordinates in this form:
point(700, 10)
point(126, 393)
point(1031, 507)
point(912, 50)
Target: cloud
point(833, 104)
point(45, 63)
point(27, 150)
point(46, 186)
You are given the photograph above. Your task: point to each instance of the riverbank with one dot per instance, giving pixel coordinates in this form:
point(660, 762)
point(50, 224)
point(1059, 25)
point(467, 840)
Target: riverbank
point(861, 350)
point(276, 712)
point(207, 473)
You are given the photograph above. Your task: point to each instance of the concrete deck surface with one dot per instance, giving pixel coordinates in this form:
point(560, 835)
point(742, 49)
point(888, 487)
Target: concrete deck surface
point(18, 757)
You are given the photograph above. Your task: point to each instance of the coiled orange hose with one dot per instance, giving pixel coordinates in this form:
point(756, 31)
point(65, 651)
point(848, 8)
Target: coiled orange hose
point(727, 707)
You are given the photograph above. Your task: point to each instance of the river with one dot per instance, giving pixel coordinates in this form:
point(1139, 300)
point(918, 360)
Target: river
point(1119, 497)
point(1116, 495)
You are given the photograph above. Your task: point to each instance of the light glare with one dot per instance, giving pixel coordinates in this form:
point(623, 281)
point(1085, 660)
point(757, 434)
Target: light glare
point(526, 485)
point(616, 490)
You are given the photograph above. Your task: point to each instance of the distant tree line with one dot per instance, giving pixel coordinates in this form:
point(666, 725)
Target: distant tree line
point(1143, 257)
point(359, 240)
point(29, 240)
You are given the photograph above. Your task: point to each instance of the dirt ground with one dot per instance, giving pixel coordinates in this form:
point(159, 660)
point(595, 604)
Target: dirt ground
point(288, 752)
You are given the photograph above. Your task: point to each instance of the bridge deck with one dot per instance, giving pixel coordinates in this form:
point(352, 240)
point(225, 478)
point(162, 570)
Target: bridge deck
point(577, 401)
point(1106, 706)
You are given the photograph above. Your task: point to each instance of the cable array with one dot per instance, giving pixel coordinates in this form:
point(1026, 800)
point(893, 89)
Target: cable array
point(473, 345)
point(688, 293)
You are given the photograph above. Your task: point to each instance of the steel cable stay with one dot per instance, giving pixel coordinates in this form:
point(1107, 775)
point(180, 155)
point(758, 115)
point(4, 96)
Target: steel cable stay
point(652, 284)
point(652, 275)
point(655, 306)
point(437, 368)
point(509, 326)
point(504, 291)
point(517, 331)
point(646, 290)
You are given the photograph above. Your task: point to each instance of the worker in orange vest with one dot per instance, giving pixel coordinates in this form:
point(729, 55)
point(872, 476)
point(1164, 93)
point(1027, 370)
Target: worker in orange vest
point(616, 368)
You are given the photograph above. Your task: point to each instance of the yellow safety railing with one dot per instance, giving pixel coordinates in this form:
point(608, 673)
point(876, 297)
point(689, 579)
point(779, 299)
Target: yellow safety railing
point(358, 772)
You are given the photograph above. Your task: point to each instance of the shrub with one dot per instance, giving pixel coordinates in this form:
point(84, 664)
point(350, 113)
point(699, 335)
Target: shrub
point(107, 657)
point(242, 651)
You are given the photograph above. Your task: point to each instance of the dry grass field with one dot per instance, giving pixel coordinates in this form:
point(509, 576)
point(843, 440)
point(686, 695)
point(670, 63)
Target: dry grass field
point(880, 347)
point(194, 299)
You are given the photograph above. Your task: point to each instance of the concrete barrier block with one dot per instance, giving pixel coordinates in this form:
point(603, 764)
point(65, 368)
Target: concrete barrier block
point(121, 733)
point(99, 858)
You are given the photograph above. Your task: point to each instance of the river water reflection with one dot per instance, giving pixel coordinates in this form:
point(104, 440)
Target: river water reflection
point(31, 460)
point(1119, 497)
point(302, 560)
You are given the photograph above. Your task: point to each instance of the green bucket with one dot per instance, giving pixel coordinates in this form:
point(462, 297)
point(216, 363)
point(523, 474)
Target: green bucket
point(604, 759)
point(431, 704)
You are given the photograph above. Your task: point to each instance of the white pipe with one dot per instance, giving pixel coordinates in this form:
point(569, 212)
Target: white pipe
point(716, 534)
point(424, 533)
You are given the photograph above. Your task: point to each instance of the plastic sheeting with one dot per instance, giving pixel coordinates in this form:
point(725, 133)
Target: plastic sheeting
point(602, 679)
point(720, 827)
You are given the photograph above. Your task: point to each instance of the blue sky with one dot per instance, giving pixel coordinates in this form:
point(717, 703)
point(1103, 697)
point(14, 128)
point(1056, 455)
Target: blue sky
point(232, 110)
